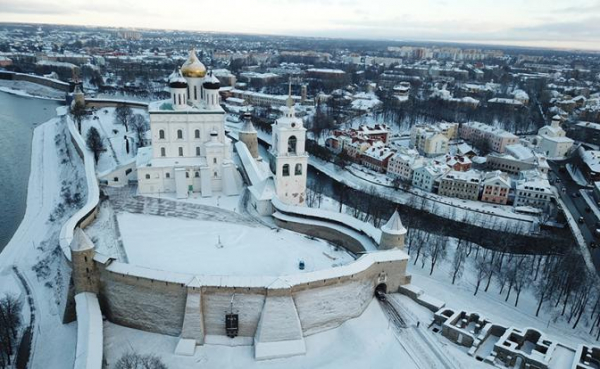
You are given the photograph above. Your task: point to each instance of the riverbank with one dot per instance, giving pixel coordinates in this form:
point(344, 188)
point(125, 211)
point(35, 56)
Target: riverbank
point(18, 117)
point(55, 168)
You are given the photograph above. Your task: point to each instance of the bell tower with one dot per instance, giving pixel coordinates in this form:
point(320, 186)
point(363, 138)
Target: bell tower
point(289, 136)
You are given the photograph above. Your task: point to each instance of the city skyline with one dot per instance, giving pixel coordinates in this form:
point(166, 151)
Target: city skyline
point(560, 25)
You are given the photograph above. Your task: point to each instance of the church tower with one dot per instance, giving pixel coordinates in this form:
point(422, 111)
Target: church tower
point(289, 136)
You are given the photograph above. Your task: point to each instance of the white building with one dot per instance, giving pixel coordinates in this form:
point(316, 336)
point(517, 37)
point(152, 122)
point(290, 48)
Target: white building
point(429, 140)
point(289, 136)
point(403, 164)
point(552, 140)
point(189, 151)
point(425, 177)
point(534, 192)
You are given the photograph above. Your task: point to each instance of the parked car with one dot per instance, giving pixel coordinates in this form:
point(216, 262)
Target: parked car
point(580, 220)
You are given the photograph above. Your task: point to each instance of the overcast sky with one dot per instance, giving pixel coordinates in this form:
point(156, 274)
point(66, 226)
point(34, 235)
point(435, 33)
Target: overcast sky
point(544, 23)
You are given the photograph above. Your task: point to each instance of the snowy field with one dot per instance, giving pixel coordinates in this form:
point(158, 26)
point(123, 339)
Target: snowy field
point(217, 248)
point(364, 342)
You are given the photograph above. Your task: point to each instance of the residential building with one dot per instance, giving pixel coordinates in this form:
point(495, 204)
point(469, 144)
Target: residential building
point(497, 139)
point(496, 187)
point(376, 157)
point(425, 177)
point(428, 140)
point(534, 192)
point(463, 185)
point(403, 164)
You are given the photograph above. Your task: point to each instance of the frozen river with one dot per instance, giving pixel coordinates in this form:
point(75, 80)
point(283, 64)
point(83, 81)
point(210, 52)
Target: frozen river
point(18, 117)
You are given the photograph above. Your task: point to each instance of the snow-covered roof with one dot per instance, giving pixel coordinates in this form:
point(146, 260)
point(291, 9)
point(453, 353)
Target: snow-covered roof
point(394, 225)
point(592, 159)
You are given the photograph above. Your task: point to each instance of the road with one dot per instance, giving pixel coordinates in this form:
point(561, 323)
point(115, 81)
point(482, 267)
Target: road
point(577, 206)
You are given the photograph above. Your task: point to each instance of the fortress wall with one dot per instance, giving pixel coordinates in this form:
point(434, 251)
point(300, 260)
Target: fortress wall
point(330, 234)
point(140, 303)
point(323, 308)
point(53, 83)
point(216, 303)
point(323, 299)
point(113, 103)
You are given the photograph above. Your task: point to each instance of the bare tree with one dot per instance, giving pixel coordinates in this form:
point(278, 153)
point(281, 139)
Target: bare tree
point(482, 268)
point(458, 262)
point(437, 251)
point(124, 114)
point(139, 125)
point(522, 276)
point(94, 143)
point(78, 112)
point(137, 361)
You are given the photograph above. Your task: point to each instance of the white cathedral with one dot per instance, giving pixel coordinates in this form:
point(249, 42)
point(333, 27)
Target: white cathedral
point(190, 152)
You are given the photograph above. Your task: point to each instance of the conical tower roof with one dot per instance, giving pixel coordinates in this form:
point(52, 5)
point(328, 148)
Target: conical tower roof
point(394, 225)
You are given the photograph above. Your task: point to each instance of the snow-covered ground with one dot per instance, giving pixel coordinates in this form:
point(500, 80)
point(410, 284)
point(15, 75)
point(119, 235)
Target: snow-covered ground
point(114, 135)
point(54, 165)
point(365, 342)
point(217, 248)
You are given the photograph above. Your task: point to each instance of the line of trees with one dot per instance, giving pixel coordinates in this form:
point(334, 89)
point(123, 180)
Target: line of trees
point(561, 284)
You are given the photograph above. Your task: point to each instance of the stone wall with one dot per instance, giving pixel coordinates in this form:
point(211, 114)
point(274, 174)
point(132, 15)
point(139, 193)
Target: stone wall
point(140, 303)
point(330, 234)
point(327, 307)
point(113, 103)
point(157, 301)
point(217, 303)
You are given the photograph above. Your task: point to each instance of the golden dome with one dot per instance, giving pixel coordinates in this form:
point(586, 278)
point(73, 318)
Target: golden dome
point(193, 67)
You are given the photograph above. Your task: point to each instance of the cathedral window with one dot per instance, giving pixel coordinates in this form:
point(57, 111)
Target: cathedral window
point(174, 101)
point(147, 176)
point(179, 134)
point(161, 134)
point(214, 160)
point(285, 170)
point(167, 175)
point(197, 175)
point(163, 152)
point(197, 133)
point(181, 151)
point(187, 174)
point(197, 151)
point(216, 174)
point(292, 142)
point(179, 98)
point(195, 93)
point(298, 170)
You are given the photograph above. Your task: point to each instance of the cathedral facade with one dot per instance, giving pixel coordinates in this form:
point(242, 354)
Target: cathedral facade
point(190, 152)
